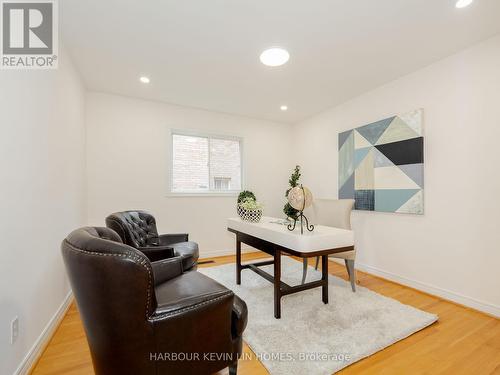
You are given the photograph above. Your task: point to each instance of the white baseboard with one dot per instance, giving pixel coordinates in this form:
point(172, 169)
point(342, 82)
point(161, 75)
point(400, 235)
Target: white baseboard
point(40, 344)
point(436, 291)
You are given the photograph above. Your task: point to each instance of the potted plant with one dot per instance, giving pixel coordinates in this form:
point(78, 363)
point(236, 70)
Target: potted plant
point(248, 208)
point(290, 212)
point(246, 194)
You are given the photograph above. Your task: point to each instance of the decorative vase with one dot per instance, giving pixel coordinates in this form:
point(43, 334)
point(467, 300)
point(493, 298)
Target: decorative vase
point(253, 216)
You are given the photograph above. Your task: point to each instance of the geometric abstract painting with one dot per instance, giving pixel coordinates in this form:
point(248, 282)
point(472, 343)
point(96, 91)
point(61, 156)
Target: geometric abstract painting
point(381, 165)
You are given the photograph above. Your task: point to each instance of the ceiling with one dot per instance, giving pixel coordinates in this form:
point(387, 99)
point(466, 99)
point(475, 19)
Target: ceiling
point(205, 53)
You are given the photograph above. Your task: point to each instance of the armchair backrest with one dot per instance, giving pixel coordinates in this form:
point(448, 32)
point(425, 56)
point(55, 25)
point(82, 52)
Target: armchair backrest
point(114, 289)
point(135, 228)
point(333, 212)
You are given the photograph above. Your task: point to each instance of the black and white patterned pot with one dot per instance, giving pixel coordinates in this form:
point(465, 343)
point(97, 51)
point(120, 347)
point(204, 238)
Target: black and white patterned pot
point(249, 215)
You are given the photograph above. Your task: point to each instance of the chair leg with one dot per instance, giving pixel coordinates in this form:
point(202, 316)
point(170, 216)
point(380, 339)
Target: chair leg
point(233, 368)
point(347, 268)
point(317, 263)
point(304, 270)
point(349, 263)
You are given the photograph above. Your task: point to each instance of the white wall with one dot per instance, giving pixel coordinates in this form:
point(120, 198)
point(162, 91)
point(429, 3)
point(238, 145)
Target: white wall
point(454, 249)
point(42, 197)
point(128, 165)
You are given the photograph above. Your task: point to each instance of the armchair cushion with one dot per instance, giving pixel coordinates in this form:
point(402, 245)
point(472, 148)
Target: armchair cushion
point(190, 289)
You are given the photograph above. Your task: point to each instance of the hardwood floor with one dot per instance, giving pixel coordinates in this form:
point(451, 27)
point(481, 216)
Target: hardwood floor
point(463, 341)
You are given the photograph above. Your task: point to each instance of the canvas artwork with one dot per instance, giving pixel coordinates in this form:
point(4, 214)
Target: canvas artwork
point(381, 165)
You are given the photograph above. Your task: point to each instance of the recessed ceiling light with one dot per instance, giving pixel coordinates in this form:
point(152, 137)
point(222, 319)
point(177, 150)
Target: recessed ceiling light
point(463, 3)
point(274, 56)
point(144, 79)
point(284, 108)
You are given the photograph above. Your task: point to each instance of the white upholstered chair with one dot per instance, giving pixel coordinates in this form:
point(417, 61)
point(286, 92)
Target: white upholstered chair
point(334, 213)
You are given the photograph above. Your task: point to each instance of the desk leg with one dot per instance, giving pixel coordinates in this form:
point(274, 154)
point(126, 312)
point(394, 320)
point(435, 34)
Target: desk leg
point(277, 284)
point(238, 261)
point(324, 277)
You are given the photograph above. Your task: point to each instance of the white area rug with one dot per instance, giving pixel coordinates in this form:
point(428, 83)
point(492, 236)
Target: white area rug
point(311, 337)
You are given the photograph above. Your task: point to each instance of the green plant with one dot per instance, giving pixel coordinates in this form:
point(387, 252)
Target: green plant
point(294, 179)
point(250, 204)
point(246, 194)
point(289, 211)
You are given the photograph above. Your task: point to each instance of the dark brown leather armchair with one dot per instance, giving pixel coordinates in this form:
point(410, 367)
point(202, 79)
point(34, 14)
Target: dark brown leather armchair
point(145, 317)
point(138, 229)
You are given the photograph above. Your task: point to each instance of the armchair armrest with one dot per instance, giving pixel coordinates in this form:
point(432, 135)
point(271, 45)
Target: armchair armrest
point(194, 305)
point(193, 315)
point(155, 253)
point(166, 269)
point(203, 325)
point(239, 317)
point(168, 239)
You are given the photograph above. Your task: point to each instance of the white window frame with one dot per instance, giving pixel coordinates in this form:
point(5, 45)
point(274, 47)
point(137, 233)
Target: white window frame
point(209, 192)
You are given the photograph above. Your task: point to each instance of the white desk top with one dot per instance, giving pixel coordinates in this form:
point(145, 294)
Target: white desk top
point(322, 238)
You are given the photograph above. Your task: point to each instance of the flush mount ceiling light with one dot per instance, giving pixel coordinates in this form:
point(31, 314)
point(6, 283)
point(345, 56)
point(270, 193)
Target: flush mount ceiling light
point(284, 108)
point(274, 56)
point(463, 3)
point(144, 79)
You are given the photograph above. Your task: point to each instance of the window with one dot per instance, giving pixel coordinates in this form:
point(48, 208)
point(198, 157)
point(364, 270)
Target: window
point(222, 183)
point(205, 164)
